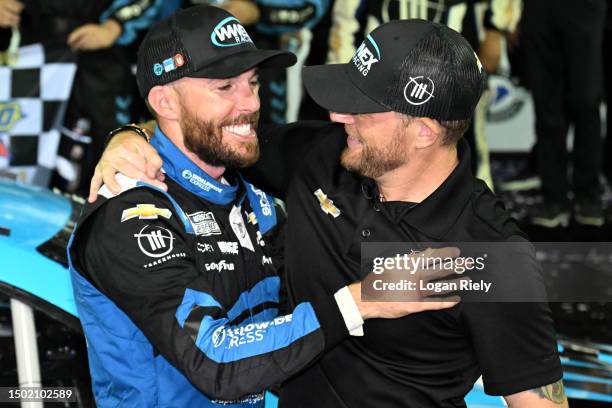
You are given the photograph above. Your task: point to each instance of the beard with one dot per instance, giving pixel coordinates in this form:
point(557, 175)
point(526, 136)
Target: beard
point(374, 161)
point(205, 139)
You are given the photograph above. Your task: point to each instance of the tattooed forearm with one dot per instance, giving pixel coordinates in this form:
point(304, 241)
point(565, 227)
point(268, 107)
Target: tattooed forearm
point(553, 392)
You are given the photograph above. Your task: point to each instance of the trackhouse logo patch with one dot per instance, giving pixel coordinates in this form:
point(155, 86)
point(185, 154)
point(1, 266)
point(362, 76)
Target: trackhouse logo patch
point(229, 32)
point(155, 242)
point(419, 90)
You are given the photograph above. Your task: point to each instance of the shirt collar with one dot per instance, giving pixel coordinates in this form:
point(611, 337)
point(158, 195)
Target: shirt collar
point(182, 170)
point(437, 214)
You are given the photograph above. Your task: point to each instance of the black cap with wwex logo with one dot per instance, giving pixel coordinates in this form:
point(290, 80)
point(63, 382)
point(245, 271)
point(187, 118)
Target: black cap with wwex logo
point(200, 42)
point(416, 67)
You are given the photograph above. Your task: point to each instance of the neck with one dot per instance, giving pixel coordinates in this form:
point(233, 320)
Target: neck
point(420, 177)
point(173, 131)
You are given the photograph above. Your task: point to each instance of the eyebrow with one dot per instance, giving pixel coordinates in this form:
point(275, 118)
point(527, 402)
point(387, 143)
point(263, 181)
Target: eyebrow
point(215, 81)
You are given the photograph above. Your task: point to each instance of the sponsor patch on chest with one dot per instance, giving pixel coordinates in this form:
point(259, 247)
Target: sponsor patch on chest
point(327, 205)
point(204, 223)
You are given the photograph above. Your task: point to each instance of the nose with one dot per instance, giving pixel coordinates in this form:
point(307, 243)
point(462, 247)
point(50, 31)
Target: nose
point(345, 118)
point(248, 100)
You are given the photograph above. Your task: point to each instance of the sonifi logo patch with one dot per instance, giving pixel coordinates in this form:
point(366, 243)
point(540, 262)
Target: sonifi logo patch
point(366, 56)
point(229, 32)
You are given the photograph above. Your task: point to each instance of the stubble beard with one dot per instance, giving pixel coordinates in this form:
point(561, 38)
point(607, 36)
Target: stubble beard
point(374, 161)
point(205, 139)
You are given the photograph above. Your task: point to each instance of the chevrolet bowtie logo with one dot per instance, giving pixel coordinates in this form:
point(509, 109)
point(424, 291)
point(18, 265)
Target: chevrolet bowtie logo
point(145, 212)
point(327, 205)
point(251, 218)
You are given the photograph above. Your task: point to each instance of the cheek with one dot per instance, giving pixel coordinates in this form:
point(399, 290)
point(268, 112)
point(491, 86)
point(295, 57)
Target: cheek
point(211, 107)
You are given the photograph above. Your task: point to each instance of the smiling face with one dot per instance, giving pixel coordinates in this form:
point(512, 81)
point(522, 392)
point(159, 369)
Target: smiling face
point(219, 118)
point(376, 142)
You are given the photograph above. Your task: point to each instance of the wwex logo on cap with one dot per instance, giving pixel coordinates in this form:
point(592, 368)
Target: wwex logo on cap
point(416, 67)
point(200, 42)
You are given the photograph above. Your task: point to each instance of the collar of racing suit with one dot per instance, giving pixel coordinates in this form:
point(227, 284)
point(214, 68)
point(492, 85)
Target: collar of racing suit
point(179, 168)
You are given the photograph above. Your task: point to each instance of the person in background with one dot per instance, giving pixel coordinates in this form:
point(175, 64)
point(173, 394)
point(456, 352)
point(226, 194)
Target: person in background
point(100, 33)
point(563, 50)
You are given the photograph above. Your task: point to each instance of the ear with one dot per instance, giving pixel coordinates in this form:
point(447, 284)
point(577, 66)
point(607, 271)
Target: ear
point(164, 100)
point(429, 132)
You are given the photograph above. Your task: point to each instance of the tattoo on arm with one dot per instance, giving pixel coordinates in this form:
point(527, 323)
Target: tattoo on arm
point(553, 392)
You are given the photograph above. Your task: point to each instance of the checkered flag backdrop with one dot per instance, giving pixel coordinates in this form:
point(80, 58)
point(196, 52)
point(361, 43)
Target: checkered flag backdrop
point(34, 92)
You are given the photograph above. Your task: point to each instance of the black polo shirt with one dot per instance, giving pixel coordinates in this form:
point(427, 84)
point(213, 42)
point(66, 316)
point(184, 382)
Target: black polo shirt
point(430, 359)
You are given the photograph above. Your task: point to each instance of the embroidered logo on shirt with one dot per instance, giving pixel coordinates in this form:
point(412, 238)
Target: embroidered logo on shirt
point(327, 205)
point(155, 241)
point(219, 266)
point(165, 259)
point(251, 218)
point(145, 212)
point(204, 223)
point(239, 229)
point(203, 247)
point(230, 248)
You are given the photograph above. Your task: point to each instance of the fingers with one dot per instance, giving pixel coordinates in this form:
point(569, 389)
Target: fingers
point(108, 177)
point(433, 254)
point(84, 37)
point(153, 162)
point(75, 36)
point(158, 184)
point(7, 21)
point(134, 157)
point(10, 14)
point(131, 165)
point(126, 166)
point(13, 6)
point(446, 304)
point(94, 186)
point(437, 271)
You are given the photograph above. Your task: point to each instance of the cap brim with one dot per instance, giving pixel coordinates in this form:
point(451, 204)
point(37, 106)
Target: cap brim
point(330, 86)
point(243, 61)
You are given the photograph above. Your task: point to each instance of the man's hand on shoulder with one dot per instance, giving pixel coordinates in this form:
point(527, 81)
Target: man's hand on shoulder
point(129, 154)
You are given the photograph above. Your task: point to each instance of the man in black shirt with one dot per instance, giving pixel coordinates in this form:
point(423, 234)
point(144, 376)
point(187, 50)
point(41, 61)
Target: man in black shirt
point(406, 98)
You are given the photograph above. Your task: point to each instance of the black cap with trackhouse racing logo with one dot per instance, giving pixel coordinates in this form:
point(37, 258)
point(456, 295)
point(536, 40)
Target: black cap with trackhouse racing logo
point(416, 67)
point(200, 42)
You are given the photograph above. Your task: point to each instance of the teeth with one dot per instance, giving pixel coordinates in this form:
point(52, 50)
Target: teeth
point(242, 130)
